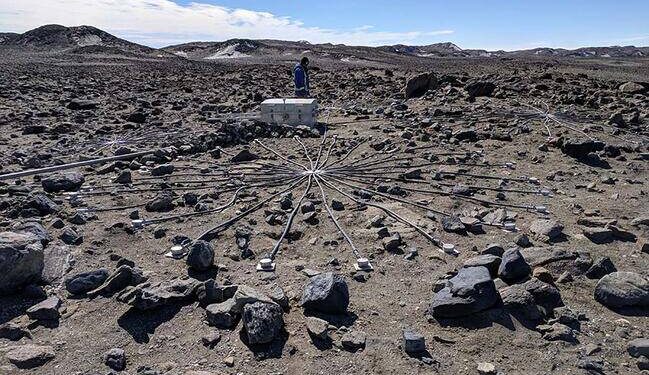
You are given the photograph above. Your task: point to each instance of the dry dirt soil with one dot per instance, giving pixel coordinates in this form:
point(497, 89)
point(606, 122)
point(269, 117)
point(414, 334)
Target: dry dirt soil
point(198, 115)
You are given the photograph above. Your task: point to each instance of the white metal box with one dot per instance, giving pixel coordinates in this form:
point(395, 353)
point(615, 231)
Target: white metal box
point(289, 111)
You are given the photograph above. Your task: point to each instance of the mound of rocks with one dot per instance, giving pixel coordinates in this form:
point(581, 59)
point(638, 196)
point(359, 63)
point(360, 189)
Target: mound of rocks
point(261, 315)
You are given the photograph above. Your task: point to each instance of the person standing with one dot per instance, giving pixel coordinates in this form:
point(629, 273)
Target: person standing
point(301, 78)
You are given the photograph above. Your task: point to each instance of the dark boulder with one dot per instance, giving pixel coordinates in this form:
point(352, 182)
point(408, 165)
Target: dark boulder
point(623, 289)
point(200, 256)
point(70, 181)
point(21, 261)
point(419, 84)
point(84, 282)
point(513, 266)
point(468, 292)
point(326, 293)
point(262, 322)
point(480, 88)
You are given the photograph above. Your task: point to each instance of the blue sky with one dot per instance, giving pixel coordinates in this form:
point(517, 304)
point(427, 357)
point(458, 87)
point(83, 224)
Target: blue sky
point(496, 24)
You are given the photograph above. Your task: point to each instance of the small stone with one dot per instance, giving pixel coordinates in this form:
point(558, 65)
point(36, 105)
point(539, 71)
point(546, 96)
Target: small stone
point(124, 177)
point(243, 156)
point(546, 230)
point(354, 341)
point(599, 236)
point(600, 268)
point(162, 170)
point(278, 295)
point(307, 207)
point(622, 289)
point(71, 237)
point(522, 240)
point(591, 349)
point(262, 322)
point(591, 365)
point(70, 181)
point(317, 327)
point(520, 302)
point(392, 243)
point(494, 249)
point(543, 274)
point(470, 291)
point(115, 358)
point(565, 277)
point(513, 266)
point(221, 315)
point(453, 224)
point(310, 217)
point(46, 310)
point(643, 363)
point(14, 332)
point(200, 256)
point(558, 332)
point(229, 361)
point(211, 339)
point(486, 368)
point(308, 272)
point(638, 347)
point(413, 342)
point(337, 205)
point(492, 262)
point(30, 356)
point(84, 282)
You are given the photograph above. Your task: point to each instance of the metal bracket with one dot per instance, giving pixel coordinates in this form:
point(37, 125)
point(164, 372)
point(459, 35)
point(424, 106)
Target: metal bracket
point(266, 265)
point(176, 252)
point(363, 264)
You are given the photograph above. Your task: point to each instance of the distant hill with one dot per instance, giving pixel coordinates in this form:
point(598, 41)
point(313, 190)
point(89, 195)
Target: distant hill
point(613, 51)
point(242, 48)
point(90, 40)
point(77, 39)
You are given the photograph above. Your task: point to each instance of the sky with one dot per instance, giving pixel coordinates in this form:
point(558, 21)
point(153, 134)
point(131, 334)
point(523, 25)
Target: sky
point(479, 24)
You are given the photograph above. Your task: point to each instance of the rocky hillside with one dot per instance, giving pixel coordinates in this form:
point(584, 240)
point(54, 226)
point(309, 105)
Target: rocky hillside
point(91, 40)
point(77, 39)
point(242, 48)
point(6, 38)
point(614, 51)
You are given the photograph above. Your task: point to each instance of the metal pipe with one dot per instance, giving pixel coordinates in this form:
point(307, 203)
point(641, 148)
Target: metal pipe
point(233, 220)
point(62, 167)
point(280, 156)
point(335, 221)
point(436, 241)
point(289, 222)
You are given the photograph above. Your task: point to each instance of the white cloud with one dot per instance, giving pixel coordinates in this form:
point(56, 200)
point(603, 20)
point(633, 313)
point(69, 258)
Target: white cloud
point(635, 38)
point(162, 22)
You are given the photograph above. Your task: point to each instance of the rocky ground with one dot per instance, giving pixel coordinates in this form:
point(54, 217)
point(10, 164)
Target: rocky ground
point(473, 143)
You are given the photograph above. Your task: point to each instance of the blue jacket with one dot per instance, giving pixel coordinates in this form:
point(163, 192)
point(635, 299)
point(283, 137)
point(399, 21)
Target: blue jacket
point(301, 78)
